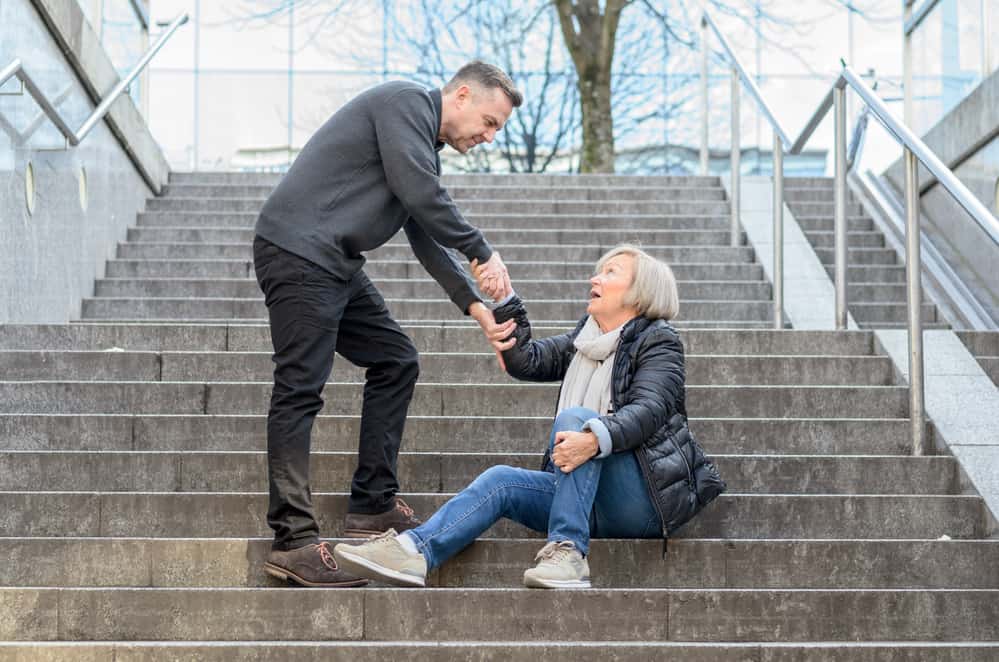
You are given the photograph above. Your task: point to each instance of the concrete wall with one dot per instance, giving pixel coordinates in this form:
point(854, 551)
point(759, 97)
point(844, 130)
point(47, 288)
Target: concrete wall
point(966, 140)
point(50, 258)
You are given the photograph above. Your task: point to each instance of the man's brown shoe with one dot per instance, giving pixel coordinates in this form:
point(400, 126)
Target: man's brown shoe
point(312, 565)
point(401, 518)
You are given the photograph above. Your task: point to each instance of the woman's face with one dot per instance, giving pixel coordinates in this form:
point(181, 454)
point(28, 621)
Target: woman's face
point(607, 288)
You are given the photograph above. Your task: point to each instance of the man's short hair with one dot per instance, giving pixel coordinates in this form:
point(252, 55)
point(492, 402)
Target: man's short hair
point(486, 76)
point(653, 292)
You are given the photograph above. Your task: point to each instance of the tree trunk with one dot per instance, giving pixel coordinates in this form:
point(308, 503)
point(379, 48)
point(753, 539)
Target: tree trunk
point(592, 49)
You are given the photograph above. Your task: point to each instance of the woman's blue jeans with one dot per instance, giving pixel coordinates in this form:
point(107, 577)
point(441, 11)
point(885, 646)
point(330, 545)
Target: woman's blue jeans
point(602, 498)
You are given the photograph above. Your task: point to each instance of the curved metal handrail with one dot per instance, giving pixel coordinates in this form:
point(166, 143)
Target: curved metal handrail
point(73, 138)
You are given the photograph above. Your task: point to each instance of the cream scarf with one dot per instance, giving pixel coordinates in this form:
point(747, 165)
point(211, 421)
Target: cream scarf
point(587, 382)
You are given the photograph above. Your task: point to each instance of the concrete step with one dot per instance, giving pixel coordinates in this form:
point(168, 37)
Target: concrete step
point(519, 206)
point(241, 514)
point(31, 365)
point(691, 563)
point(523, 399)
point(378, 269)
point(402, 309)
point(797, 194)
point(980, 343)
point(864, 273)
point(246, 471)
point(878, 292)
point(463, 615)
point(858, 256)
point(990, 364)
point(886, 312)
point(401, 288)
point(826, 224)
point(808, 182)
point(823, 207)
point(462, 192)
point(513, 651)
point(824, 239)
point(247, 220)
point(490, 179)
point(514, 252)
point(502, 433)
point(440, 337)
point(497, 237)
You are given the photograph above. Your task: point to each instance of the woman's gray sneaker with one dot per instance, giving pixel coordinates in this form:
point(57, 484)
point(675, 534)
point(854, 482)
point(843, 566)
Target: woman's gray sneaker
point(311, 565)
point(560, 565)
point(383, 559)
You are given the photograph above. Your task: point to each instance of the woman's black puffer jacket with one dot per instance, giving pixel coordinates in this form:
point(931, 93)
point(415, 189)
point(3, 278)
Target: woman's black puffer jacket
point(647, 392)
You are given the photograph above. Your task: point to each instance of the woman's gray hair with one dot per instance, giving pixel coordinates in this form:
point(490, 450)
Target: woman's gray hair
point(653, 291)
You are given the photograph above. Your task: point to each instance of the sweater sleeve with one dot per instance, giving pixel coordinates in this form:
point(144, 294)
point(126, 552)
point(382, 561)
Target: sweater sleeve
point(406, 132)
point(441, 264)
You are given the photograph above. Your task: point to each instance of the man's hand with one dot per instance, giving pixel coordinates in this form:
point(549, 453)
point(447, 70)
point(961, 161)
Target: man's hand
point(573, 449)
point(492, 277)
point(495, 333)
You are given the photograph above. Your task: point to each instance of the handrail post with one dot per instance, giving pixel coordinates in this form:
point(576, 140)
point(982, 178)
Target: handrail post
point(735, 160)
point(913, 296)
point(704, 97)
point(778, 232)
point(839, 220)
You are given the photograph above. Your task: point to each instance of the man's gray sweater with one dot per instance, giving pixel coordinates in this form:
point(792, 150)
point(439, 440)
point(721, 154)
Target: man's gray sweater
point(370, 170)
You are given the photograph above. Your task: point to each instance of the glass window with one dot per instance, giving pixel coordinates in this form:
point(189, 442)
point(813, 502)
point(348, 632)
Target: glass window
point(240, 116)
point(178, 52)
point(231, 38)
point(171, 116)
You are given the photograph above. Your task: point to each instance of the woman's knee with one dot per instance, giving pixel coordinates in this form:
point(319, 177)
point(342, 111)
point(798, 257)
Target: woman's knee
point(573, 417)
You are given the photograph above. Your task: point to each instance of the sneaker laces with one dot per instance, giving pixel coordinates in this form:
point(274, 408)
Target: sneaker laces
point(326, 556)
point(555, 551)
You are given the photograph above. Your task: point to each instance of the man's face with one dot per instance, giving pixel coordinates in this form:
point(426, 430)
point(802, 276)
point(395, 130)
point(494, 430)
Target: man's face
point(473, 116)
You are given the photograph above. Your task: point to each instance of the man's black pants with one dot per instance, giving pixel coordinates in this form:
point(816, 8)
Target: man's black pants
point(312, 315)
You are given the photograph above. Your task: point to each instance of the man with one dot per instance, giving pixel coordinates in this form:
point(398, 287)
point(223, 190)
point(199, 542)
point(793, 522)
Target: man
point(370, 170)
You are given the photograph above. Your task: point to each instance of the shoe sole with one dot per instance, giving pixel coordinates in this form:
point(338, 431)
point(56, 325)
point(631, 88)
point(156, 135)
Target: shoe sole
point(371, 570)
point(288, 576)
point(531, 582)
point(361, 533)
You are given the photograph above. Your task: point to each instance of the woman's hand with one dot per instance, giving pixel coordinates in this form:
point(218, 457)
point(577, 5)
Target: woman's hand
point(573, 449)
point(498, 335)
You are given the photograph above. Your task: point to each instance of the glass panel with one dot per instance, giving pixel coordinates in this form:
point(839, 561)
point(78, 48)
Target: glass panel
point(947, 59)
point(317, 96)
point(234, 37)
point(348, 38)
point(178, 52)
point(171, 116)
point(124, 40)
point(242, 121)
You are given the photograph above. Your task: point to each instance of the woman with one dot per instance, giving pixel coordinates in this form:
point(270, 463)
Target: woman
point(612, 469)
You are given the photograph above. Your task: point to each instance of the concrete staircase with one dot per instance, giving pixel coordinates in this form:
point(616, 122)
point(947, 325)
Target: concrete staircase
point(133, 481)
point(875, 273)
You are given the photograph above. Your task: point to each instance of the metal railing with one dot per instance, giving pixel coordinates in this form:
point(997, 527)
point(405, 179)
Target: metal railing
point(781, 140)
point(914, 150)
point(73, 138)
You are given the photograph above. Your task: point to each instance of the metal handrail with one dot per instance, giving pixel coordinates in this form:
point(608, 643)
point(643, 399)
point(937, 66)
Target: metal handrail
point(780, 141)
point(73, 138)
point(905, 136)
point(747, 80)
point(913, 149)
